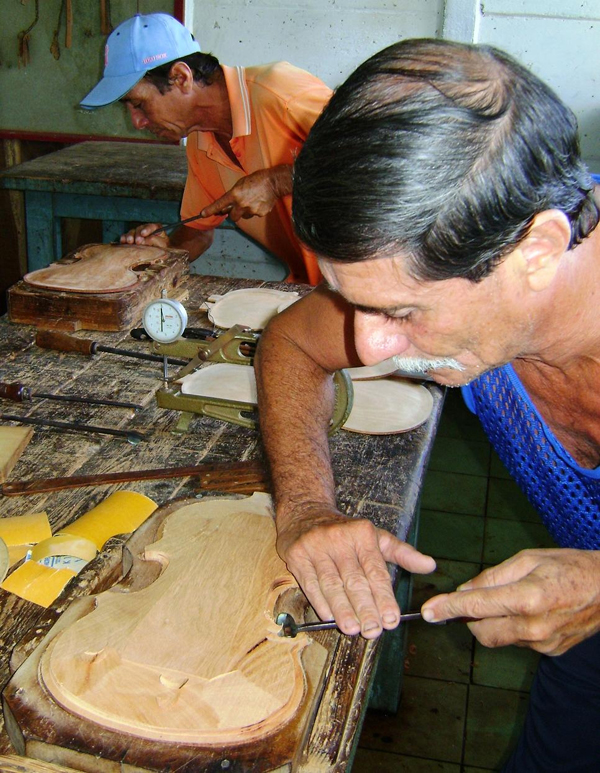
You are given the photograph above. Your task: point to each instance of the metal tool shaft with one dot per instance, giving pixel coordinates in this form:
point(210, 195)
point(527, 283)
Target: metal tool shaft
point(19, 393)
point(290, 628)
point(132, 436)
point(139, 355)
point(197, 333)
point(171, 226)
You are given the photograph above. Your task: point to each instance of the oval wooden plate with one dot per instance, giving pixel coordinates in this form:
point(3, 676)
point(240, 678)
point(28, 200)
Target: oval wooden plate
point(386, 406)
point(252, 307)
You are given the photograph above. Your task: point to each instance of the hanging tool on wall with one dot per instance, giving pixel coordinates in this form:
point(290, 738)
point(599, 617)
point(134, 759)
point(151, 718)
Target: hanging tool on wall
point(24, 36)
point(55, 46)
point(105, 23)
point(69, 30)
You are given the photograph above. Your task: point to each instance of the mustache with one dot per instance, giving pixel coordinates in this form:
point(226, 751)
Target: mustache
point(422, 365)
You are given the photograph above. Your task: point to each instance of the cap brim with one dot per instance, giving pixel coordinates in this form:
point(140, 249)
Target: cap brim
point(110, 89)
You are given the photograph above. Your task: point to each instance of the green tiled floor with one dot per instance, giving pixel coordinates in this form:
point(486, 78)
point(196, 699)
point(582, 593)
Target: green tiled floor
point(462, 705)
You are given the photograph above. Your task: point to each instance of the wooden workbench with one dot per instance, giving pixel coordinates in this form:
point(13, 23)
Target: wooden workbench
point(378, 477)
point(115, 182)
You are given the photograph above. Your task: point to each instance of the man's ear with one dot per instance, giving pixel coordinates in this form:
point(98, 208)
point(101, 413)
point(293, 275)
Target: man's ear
point(181, 77)
point(544, 246)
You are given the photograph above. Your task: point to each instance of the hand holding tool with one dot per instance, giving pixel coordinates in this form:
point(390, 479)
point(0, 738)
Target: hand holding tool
point(63, 342)
point(19, 393)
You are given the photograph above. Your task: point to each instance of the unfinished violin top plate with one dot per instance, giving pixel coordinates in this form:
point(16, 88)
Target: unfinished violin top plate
point(190, 653)
point(386, 406)
point(251, 307)
point(223, 380)
point(98, 268)
point(381, 406)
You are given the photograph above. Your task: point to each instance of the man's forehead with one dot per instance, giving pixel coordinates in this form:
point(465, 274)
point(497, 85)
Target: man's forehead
point(384, 285)
point(370, 278)
point(141, 89)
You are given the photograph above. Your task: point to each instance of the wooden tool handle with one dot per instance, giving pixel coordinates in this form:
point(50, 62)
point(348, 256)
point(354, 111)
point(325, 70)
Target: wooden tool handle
point(16, 392)
point(44, 485)
point(69, 30)
point(63, 342)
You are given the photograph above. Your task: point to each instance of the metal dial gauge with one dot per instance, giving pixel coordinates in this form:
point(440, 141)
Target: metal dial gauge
point(165, 320)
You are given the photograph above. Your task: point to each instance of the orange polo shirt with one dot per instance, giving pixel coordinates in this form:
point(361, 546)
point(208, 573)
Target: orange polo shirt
point(273, 108)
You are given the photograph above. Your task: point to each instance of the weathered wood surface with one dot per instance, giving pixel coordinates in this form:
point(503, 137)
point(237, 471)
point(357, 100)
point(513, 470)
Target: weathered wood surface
point(378, 477)
point(132, 169)
point(12, 763)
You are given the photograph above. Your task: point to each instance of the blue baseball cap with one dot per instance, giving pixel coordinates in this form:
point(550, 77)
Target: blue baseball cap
point(134, 47)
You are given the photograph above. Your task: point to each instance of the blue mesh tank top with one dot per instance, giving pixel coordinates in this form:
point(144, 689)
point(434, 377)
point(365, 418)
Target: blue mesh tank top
point(566, 496)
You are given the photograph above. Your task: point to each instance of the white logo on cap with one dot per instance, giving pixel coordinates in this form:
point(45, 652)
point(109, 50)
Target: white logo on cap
point(149, 59)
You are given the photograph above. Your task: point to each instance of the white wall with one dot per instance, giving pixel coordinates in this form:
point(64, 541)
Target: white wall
point(559, 40)
point(329, 38)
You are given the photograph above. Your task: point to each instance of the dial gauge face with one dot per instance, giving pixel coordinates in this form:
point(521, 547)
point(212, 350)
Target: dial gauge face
point(164, 320)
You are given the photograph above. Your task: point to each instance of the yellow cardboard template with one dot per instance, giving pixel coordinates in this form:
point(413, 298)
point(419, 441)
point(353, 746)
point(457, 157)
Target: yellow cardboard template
point(120, 513)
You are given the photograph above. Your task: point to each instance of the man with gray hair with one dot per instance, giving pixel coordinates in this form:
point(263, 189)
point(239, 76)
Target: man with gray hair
point(456, 228)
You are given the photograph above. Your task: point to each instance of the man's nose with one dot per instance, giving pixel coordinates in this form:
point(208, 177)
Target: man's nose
point(377, 338)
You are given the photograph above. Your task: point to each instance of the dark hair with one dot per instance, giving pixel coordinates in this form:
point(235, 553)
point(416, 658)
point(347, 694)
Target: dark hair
point(205, 68)
point(440, 152)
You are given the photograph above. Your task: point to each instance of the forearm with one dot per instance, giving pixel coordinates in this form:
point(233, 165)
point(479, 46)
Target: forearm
point(297, 356)
point(339, 562)
point(253, 195)
point(295, 405)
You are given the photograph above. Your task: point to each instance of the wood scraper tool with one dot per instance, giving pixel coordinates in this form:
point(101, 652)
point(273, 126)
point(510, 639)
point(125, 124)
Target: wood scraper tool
point(290, 628)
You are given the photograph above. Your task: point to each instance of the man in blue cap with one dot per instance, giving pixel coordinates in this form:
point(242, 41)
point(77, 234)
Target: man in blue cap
point(245, 127)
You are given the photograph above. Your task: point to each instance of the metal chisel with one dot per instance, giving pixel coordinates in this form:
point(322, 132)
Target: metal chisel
point(132, 436)
point(290, 628)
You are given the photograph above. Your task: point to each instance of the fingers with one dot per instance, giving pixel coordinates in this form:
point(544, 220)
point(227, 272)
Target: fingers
point(401, 553)
point(304, 571)
point(332, 585)
point(343, 572)
point(222, 206)
point(144, 234)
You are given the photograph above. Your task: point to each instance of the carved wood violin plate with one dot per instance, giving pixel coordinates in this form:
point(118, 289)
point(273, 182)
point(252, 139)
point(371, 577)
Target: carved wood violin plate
point(97, 287)
point(182, 661)
point(98, 268)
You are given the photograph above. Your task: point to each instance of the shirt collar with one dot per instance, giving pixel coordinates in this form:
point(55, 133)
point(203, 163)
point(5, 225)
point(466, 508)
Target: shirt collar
point(239, 99)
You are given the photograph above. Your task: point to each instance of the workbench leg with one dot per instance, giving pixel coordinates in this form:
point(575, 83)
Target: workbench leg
point(387, 685)
point(43, 230)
